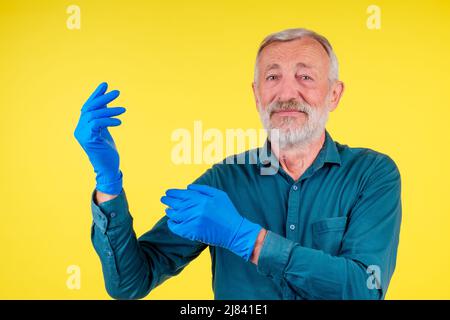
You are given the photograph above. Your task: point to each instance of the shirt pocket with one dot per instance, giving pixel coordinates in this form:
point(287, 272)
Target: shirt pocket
point(328, 234)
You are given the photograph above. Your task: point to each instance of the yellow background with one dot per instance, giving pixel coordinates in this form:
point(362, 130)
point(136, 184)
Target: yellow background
point(176, 62)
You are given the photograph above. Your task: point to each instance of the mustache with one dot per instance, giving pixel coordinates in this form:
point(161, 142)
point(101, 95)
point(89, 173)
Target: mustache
point(291, 105)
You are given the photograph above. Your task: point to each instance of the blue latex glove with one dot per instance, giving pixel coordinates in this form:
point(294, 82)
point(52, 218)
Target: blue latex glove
point(205, 214)
point(93, 135)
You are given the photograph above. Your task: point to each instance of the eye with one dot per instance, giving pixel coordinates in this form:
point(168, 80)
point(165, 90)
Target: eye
point(305, 77)
point(271, 77)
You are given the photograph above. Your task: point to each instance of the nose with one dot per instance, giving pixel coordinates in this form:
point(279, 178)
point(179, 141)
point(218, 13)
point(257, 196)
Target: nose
point(289, 90)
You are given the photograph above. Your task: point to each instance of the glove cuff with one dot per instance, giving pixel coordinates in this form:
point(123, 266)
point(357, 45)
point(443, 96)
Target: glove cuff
point(245, 239)
point(113, 188)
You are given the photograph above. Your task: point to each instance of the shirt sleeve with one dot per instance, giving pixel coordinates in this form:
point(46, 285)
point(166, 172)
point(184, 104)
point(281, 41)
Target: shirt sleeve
point(365, 263)
point(133, 266)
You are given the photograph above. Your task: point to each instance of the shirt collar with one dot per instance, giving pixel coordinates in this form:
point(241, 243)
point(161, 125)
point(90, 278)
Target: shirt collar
point(327, 154)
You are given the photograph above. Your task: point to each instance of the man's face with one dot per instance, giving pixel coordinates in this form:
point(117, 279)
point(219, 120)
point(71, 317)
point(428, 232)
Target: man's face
point(293, 92)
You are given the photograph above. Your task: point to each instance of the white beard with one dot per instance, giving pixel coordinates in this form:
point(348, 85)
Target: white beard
point(302, 135)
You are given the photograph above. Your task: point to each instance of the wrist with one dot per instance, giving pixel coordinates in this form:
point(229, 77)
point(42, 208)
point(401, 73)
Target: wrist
point(101, 197)
point(245, 238)
point(258, 246)
point(110, 185)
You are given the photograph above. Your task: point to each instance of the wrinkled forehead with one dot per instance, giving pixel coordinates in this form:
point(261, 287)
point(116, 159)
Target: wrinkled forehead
point(304, 52)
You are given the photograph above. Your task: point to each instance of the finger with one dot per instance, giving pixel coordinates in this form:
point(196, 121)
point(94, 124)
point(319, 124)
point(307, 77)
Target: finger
point(182, 194)
point(103, 100)
point(172, 202)
point(105, 113)
point(204, 189)
point(101, 89)
point(178, 204)
point(173, 215)
point(98, 124)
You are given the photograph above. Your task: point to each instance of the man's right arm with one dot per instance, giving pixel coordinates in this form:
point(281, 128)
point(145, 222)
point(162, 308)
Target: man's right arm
point(133, 267)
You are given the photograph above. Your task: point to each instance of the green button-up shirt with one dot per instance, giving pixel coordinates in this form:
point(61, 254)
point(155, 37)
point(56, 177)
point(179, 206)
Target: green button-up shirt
point(332, 234)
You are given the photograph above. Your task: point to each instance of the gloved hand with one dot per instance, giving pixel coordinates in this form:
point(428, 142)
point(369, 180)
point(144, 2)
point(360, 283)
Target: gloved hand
point(93, 135)
point(205, 214)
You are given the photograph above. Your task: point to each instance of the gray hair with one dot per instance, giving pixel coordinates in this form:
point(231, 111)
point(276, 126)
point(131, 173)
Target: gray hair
point(297, 33)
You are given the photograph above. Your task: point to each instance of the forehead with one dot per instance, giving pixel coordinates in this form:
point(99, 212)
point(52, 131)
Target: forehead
point(306, 50)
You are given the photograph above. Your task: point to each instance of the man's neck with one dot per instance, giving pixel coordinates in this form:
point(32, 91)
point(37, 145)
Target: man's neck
point(296, 160)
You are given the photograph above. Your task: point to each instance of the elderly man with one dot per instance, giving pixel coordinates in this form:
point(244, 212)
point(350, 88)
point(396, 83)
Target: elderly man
point(323, 225)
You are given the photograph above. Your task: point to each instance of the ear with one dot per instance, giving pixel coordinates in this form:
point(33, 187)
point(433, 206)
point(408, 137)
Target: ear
point(255, 94)
point(337, 89)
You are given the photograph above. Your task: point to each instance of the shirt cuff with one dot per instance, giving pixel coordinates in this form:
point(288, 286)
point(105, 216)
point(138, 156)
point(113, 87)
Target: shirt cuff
point(111, 213)
point(274, 255)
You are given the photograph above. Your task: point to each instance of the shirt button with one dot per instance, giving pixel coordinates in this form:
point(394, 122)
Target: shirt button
point(292, 226)
point(113, 214)
point(295, 188)
point(109, 253)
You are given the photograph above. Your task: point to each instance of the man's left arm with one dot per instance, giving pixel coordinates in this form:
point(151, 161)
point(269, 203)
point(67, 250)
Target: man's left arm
point(361, 270)
point(367, 258)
